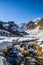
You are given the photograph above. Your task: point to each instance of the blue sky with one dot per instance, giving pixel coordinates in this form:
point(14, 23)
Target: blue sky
point(20, 11)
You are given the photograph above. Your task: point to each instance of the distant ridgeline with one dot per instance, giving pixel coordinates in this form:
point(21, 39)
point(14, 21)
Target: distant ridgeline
point(11, 29)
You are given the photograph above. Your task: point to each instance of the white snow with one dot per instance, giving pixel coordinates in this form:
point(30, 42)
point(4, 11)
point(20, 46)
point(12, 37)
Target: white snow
point(36, 19)
point(33, 34)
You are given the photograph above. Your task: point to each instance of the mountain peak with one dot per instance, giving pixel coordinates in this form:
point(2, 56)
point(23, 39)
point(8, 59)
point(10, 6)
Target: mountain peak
point(36, 19)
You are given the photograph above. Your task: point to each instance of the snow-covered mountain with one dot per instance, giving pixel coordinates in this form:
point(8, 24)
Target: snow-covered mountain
point(31, 31)
point(35, 30)
point(12, 28)
point(22, 26)
point(34, 27)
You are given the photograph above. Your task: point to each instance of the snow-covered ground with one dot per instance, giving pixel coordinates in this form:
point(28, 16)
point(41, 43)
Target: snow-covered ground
point(34, 34)
point(5, 41)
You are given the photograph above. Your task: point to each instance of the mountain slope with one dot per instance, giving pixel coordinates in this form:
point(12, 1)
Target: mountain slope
point(33, 27)
point(12, 28)
point(31, 31)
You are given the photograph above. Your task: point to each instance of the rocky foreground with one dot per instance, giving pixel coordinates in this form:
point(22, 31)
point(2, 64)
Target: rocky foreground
point(23, 51)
